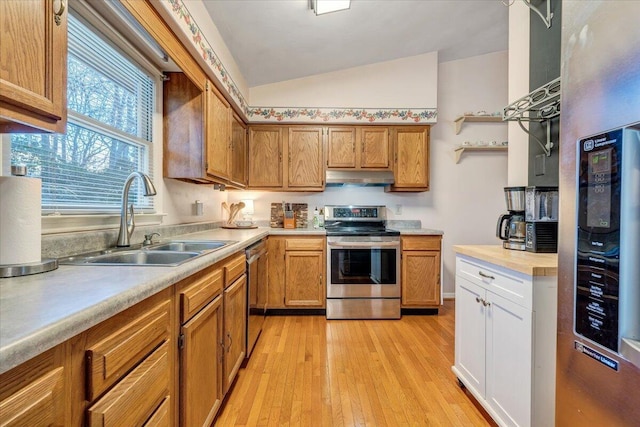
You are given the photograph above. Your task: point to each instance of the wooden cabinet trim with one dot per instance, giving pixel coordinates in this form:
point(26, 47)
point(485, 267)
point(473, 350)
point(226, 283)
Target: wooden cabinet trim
point(112, 357)
point(135, 398)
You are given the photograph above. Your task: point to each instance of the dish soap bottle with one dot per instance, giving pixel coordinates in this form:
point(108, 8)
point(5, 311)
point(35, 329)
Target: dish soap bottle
point(316, 218)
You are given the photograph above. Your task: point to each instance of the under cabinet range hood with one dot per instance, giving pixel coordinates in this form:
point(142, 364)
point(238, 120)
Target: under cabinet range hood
point(359, 178)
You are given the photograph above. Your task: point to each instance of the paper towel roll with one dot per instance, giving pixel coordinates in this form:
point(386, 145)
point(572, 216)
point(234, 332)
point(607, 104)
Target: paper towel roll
point(20, 219)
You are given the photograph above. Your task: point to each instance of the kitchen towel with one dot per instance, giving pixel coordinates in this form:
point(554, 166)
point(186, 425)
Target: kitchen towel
point(20, 219)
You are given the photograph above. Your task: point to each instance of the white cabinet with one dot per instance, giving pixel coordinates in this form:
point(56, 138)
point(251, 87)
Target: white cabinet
point(505, 341)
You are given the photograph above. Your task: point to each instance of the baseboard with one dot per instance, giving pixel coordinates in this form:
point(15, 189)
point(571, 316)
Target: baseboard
point(449, 295)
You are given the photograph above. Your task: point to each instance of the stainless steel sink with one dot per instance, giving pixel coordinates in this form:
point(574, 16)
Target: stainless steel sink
point(170, 253)
point(190, 245)
point(143, 257)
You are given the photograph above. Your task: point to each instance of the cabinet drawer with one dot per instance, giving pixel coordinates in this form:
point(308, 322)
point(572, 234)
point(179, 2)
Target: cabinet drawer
point(115, 355)
point(421, 243)
point(203, 288)
point(161, 417)
point(234, 268)
point(512, 285)
point(135, 398)
point(304, 244)
point(33, 394)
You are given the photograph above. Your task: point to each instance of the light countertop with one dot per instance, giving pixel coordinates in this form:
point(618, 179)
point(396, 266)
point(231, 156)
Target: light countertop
point(39, 311)
point(531, 264)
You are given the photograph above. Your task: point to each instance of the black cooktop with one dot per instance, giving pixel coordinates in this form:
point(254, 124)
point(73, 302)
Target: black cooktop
point(361, 231)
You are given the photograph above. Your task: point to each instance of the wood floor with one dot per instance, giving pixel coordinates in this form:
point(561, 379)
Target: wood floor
point(307, 371)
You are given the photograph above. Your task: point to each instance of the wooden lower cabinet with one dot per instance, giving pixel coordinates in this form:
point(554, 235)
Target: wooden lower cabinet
point(421, 264)
point(235, 327)
point(36, 392)
point(137, 396)
point(167, 361)
point(201, 366)
point(296, 272)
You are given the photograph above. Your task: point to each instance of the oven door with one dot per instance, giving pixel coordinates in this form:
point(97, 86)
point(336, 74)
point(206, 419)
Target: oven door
point(363, 267)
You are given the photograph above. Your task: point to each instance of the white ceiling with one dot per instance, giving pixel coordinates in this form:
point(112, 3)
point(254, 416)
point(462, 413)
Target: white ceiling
point(277, 40)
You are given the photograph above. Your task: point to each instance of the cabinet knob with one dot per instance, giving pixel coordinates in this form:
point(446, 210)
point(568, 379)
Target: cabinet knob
point(478, 299)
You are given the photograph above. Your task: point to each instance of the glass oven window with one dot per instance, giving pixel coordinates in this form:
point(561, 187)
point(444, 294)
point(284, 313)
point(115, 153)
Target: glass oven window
point(363, 266)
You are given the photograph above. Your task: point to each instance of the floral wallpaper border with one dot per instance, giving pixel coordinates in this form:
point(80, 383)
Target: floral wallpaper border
point(286, 114)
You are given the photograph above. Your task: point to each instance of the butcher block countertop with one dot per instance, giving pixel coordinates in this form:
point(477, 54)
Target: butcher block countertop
point(531, 264)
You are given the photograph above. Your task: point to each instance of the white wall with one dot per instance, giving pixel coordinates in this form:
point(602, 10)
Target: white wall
point(408, 83)
point(518, 172)
point(466, 198)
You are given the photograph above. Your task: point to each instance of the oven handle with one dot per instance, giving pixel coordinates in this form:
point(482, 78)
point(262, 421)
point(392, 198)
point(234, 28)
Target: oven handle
point(372, 245)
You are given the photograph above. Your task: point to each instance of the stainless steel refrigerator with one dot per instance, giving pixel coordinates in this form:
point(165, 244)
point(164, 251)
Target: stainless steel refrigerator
point(598, 367)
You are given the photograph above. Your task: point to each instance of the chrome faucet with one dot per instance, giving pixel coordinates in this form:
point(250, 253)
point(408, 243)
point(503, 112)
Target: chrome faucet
point(127, 225)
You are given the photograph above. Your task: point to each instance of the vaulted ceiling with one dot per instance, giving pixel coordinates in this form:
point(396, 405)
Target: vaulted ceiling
point(277, 40)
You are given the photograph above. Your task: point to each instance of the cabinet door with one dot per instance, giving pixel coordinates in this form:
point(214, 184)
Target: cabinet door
point(420, 278)
point(304, 279)
point(276, 257)
point(33, 63)
point(509, 358)
point(33, 394)
point(470, 334)
point(184, 106)
point(238, 153)
point(305, 165)
point(341, 147)
point(201, 366)
point(265, 157)
point(411, 169)
point(218, 131)
point(235, 326)
point(375, 148)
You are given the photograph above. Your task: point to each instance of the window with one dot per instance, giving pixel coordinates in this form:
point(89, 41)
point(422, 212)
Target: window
point(110, 103)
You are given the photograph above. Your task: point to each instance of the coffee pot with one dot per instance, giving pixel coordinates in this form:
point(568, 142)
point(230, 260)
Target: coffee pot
point(511, 227)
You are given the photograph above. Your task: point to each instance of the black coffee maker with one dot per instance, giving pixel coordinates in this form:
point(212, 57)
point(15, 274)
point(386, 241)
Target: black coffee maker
point(511, 227)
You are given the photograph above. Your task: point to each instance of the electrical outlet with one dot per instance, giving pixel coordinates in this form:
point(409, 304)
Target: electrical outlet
point(398, 209)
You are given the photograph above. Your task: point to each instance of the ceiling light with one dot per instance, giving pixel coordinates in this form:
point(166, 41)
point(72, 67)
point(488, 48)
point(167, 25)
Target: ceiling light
point(325, 6)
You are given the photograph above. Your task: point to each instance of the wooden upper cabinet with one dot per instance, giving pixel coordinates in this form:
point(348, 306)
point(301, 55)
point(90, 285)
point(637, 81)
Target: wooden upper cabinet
point(375, 148)
point(411, 162)
point(33, 65)
point(341, 147)
point(265, 157)
point(238, 152)
point(358, 147)
point(304, 153)
point(218, 134)
point(184, 121)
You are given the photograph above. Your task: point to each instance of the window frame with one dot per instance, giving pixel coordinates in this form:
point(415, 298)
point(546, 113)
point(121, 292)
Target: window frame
point(69, 220)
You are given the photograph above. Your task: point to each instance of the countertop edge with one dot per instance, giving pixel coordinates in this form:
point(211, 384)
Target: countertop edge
point(40, 340)
point(531, 264)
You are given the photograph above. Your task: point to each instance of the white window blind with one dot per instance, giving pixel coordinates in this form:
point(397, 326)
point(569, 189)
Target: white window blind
point(110, 103)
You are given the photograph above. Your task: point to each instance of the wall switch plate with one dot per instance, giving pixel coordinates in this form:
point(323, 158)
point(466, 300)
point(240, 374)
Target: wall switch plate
point(398, 210)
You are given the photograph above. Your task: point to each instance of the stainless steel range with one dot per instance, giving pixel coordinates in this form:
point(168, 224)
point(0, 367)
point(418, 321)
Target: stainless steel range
point(363, 264)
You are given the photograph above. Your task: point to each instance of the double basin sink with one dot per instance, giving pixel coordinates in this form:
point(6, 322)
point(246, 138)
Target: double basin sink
point(171, 253)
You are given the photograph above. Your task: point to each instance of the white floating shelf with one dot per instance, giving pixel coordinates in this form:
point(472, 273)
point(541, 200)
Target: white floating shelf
point(464, 148)
point(460, 120)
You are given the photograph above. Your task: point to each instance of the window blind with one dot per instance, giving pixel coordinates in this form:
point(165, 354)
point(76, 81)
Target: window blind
point(110, 102)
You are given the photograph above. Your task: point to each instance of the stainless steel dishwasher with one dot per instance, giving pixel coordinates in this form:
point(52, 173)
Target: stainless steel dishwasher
point(257, 270)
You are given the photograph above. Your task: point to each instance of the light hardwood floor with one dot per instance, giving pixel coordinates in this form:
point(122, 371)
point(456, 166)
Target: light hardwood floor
point(308, 371)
